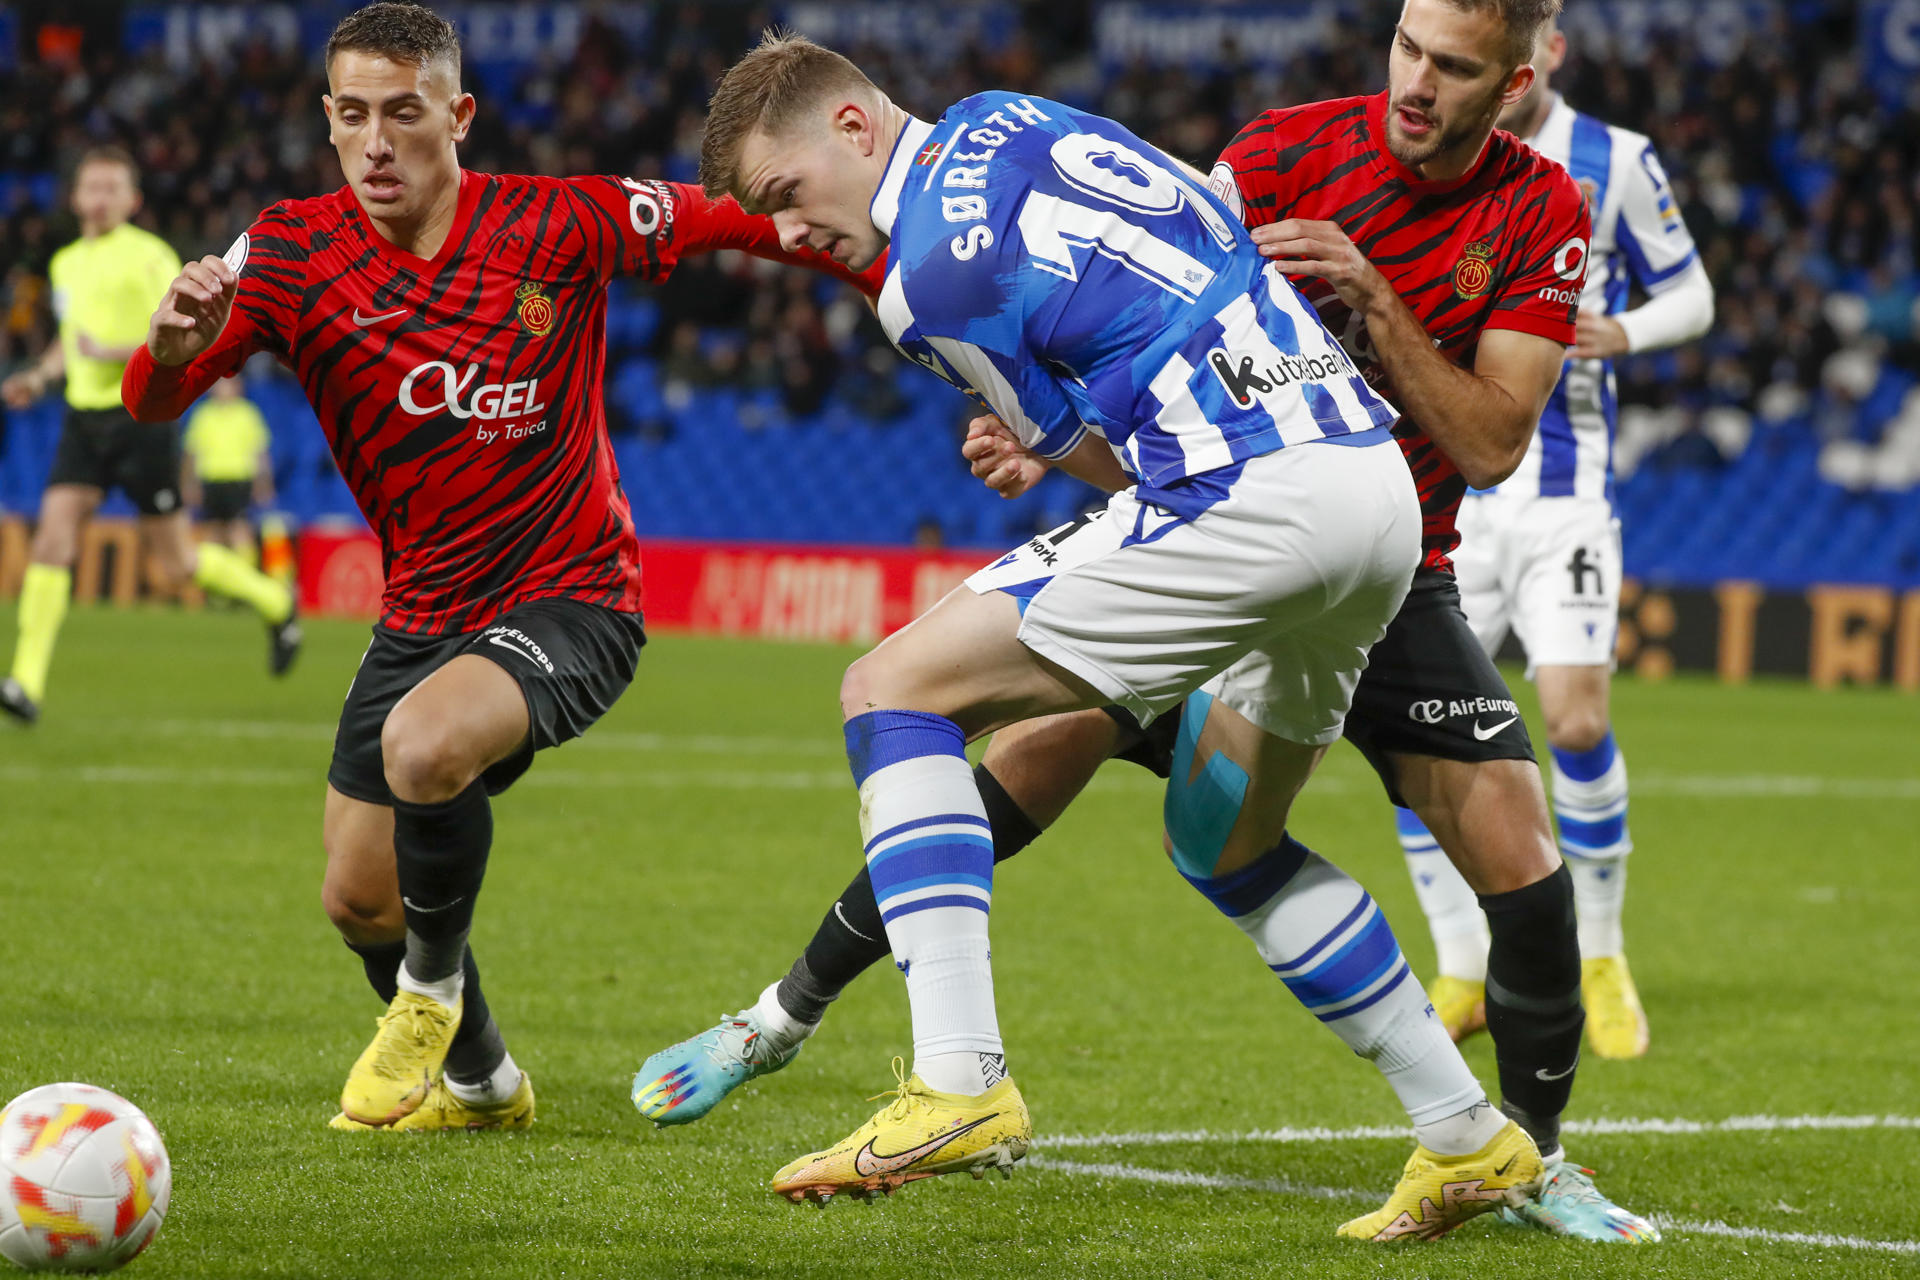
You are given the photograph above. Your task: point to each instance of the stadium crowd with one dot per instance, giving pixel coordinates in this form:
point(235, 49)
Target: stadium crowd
point(1798, 182)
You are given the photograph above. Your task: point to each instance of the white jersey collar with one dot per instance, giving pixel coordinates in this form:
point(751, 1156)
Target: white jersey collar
point(885, 208)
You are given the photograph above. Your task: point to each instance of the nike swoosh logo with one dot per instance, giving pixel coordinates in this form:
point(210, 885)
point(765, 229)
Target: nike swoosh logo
point(868, 1164)
point(1541, 1073)
point(1501, 1172)
point(1484, 734)
point(411, 905)
point(364, 321)
point(511, 647)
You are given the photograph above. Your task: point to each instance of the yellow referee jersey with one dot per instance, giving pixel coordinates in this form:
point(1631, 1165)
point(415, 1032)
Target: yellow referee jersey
point(226, 439)
point(107, 288)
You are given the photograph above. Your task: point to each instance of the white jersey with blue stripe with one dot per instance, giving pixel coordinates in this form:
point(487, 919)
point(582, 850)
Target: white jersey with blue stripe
point(1639, 239)
point(1077, 280)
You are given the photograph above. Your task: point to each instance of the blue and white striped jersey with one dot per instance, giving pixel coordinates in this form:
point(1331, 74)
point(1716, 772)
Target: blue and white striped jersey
point(1639, 239)
point(1076, 280)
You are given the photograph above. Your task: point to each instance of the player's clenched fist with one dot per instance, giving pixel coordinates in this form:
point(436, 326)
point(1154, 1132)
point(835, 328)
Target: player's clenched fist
point(998, 459)
point(194, 311)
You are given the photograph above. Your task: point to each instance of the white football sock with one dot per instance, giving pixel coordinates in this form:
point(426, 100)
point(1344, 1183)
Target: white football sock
point(496, 1088)
point(1454, 918)
point(1326, 939)
point(446, 990)
point(776, 1023)
point(1599, 901)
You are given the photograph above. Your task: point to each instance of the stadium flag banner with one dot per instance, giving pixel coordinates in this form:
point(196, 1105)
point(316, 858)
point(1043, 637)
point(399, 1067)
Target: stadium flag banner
point(1890, 49)
point(1630, 30)
point(933, 32)
point(491, 34)
point(1203, 35)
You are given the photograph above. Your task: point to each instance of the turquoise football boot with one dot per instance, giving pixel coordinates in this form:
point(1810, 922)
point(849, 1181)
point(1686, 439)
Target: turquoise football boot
point(681, 1083)
point(1568, 1204)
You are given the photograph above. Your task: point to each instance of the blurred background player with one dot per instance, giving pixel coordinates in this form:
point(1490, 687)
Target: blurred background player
point(228, 470)
point(105, 285)
point(1540, 555)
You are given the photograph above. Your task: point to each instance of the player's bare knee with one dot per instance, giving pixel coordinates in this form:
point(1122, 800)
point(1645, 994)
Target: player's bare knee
point(1578, 731)
point(362, 913)
point(424, 759)
point(864, 687)
point(53, 546)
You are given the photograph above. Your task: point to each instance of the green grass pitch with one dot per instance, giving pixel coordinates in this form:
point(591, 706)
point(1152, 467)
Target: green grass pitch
point(161, 934)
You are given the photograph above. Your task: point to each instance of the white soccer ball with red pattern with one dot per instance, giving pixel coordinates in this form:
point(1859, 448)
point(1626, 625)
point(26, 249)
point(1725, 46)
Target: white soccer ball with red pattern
point(84, 1179)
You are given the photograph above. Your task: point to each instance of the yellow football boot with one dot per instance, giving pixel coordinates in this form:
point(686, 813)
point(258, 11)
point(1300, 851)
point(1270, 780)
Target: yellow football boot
point(1616, 1024)
point(445, 1109)
point(394, 1073)
point(919, 1134)
point(1460, 1005)
point(1438, 1193)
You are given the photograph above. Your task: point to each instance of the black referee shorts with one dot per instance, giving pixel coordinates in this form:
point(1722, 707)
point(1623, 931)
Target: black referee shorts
point(108, 449)
point(572, 660)
point(225, 499)
point(1430, 689)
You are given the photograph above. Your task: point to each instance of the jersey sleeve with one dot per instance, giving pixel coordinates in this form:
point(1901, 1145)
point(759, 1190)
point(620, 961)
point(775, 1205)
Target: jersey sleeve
point(1546, 269)
point(644, 227)
point(1244, 176)
point(270, 259)
point(1651, 234)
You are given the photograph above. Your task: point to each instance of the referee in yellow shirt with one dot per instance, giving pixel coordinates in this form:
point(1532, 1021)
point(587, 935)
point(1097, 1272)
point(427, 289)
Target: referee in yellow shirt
point(105, 286)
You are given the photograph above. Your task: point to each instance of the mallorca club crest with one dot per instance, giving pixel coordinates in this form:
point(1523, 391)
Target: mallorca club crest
point(1474, 274)
point(536, 309)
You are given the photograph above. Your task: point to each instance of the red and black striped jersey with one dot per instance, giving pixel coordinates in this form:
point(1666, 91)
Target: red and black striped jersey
point(1502, 247)
point(462, 395)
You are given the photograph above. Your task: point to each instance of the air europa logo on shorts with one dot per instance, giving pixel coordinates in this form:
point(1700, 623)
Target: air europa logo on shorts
point(435, 387)
point(1436, 710)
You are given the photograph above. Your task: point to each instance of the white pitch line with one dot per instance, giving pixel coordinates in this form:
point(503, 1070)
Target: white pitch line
point(1597, 1128)
point(1214, 1182)
point(1694, 786)
point(1281, 1186)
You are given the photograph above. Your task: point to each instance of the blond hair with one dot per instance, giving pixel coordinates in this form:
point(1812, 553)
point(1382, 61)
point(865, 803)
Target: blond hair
point(768, 91)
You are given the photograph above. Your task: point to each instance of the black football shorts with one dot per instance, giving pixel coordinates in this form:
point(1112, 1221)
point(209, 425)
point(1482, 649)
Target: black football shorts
point(572, 660)
point(108, 449)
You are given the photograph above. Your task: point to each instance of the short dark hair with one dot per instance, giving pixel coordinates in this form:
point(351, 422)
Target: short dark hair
point(398, 32)
point(108, 153)
point(1523, 19)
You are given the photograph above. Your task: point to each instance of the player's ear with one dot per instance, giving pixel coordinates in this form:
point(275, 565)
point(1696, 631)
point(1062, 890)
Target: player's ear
point(462, 110)
point(855, 123)
point(1517, 84)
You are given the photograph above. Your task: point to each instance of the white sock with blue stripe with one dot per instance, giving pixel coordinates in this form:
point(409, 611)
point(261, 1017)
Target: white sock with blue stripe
point(1454, 917)
point(1327, 940)
point(930, 854)
point(1590, 806)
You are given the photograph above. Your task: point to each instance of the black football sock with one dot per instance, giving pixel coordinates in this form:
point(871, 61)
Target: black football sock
point(441, 854)
point(381, 960)
point(852, 937)
point(1152, 747)
point(1533, 1001)
point(478, 1047)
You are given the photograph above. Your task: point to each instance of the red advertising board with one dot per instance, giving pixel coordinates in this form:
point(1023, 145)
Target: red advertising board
point(770, 591)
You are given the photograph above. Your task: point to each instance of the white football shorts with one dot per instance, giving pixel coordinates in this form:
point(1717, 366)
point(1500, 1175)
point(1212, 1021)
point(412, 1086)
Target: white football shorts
point(1546, 568)
point(1278, 588)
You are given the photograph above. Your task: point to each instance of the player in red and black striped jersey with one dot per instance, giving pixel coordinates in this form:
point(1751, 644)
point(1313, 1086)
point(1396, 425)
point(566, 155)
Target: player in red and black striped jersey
point(1449, 259)
point(449, 329)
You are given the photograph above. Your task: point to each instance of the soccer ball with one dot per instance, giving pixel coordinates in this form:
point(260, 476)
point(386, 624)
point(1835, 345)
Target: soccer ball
point(84, 1179)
